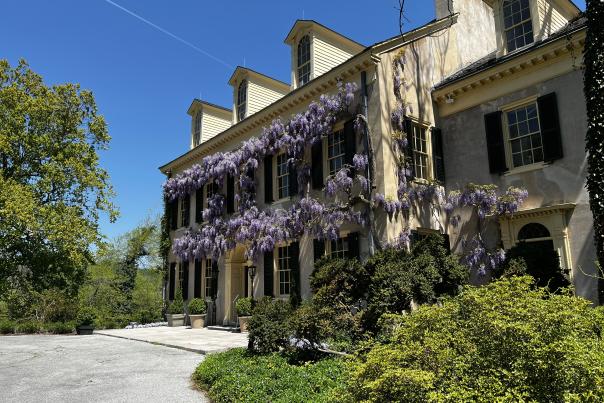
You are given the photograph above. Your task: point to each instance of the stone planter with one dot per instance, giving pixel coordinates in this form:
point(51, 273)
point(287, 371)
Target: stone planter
point(177, 319)
point(243, 323)
point(198, 321)
point(84, 330)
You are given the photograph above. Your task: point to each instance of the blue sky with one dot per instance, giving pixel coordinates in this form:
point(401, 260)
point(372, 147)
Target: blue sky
point(144, 79)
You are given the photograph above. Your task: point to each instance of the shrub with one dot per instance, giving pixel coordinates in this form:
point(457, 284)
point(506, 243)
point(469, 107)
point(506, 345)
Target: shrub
point(268, 326)
point(86, 317)
point(237, 376)
point(177, 305)
point(54, 305)
point(147, 300)
point(59, 327)
point(197, 306)
point(28, 327)
point(244, 306)
point(507, 341)
point(7, 326)
point(339, 281)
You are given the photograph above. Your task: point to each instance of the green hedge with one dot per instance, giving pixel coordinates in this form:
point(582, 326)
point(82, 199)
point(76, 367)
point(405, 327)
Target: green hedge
point(237, 376)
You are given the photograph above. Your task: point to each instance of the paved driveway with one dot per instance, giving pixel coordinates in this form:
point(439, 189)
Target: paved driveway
point(94, 368)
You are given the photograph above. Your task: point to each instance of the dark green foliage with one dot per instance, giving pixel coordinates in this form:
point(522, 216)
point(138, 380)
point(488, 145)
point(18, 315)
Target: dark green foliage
point(7, 326)
point(177, 306)
point(197, 306)
point(422, 276)
point(268, 326)
point(339, 281)
point(28, 327)
point(86, 317)
point(543, 263)
point(507, 341)
point(244, 306)
point(237, 376)
point(594, 97)
point(59, 327)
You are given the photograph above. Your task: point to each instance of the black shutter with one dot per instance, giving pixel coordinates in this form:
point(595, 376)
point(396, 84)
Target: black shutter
point(172, 283)
point(268, 179)
point(350, 137)
point(214, 291)
point(197, 287)
point(185, 282)
point(318, 247)
point(173, 211)
point(446, 242)
point(317, 165)
point(438, 160)
point(293, 180)
point(550, 127)
point(199, 205)
point(268, 274)
point(230, 195)
point(408, 125)
point(495, 143)
point(294, 266)
point(353, 246)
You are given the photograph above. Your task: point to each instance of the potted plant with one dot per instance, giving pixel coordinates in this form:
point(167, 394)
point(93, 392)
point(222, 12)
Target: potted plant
point(176, 316)
point(85, 321)
point(244, 312)
point(197, 313)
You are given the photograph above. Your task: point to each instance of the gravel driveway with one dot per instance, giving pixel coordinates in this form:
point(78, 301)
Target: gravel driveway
point(96, 368)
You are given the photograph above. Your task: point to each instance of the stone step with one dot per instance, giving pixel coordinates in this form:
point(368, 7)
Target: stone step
point(231, 329)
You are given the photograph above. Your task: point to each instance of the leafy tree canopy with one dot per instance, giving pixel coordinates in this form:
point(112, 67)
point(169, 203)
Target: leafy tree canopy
point(52, 188)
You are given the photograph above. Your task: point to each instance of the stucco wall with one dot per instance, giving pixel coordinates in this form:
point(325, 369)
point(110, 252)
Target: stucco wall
point(562, 181)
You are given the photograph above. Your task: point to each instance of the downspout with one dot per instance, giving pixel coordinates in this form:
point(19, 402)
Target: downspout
point(369, 169)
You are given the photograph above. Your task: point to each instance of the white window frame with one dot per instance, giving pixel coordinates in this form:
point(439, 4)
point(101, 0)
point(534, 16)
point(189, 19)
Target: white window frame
point(504, 30)
point(181, 275)
point(429, 174)
point(508, 140)
point(207, 285)
point(241, 111)
point(306, 64)
point(342, 154)
point(197, 122)
point(278, 195)
point(181, 204)
point(278, 270)
point(342, 252)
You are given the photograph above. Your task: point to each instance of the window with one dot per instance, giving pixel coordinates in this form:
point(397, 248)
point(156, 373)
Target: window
point(197, 129)
point(524, 135)
point(303, 61)
point(185, 205)
point(421, 152)
point(181, 275)
point(284, 271)
point(242, 101)
point(336, 151)
point(282, 176)
point(211, 190)
point(339, 248)
point(517, 24)
point(208, 278)
point(533, 232)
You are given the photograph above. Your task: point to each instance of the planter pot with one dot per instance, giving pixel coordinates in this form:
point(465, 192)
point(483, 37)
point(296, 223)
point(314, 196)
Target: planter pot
point(177, 319)
point(243, 323)
point(84, 329)
point(198, 321)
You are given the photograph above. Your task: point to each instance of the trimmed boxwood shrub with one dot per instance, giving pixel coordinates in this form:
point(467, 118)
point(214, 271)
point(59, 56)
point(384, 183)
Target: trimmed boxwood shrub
point(268, 327)
point(86, 317)
point(238, 376)
point(507, 341)
point(197, 306)
point(244, 306)
point(177, 306)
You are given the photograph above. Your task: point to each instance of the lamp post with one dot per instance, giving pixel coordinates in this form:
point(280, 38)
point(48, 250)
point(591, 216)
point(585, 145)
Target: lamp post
point(252, 272)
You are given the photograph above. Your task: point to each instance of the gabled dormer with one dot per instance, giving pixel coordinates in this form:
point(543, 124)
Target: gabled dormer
point(519, 23)
point(316, 49)
point(253, 91)
point(207, 120)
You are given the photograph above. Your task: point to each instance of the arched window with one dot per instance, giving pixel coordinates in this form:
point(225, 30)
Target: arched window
point(303, 61)
point(533, 231)
point(242, 101)
point(517, 24)
point(197, 129)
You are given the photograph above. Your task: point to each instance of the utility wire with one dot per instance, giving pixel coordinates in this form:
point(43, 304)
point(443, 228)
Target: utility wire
point(170, 34)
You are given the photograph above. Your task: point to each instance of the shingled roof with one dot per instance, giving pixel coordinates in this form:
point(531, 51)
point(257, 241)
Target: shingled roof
point(491, 59)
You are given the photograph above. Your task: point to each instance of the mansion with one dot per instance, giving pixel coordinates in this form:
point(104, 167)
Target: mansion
point(495, 95)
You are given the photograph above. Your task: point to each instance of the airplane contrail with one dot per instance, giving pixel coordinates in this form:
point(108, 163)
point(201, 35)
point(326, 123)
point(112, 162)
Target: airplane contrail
point(170, 34)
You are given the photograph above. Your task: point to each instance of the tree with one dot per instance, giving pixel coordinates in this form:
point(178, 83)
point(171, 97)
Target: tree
point(52, 188)
point(594, 140)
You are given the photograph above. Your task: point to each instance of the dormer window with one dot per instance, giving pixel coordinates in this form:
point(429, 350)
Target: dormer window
point(197, 129)
point(242, 100)
point(517, 24)
point(303, 61)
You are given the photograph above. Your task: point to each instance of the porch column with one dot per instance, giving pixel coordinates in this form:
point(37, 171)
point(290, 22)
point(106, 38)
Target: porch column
point(227, 294)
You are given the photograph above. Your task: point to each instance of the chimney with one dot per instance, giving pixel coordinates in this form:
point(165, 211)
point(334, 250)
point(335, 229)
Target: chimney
point(443, 8)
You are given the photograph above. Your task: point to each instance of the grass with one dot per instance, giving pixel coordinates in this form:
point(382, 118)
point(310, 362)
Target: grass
point(237, 376)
